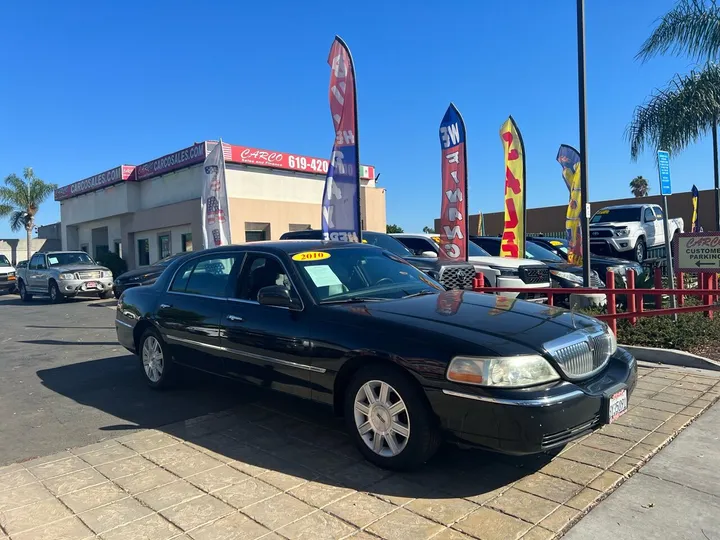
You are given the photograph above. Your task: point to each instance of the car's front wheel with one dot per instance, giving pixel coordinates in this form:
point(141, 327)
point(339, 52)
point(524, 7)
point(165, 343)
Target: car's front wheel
point(24, 296)
point(156, 360)
point(389, 418)
point(104, 295)
point(54, 291)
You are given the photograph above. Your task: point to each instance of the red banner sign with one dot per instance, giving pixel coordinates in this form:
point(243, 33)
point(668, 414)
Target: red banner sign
point(102, 180)
point(289, 162)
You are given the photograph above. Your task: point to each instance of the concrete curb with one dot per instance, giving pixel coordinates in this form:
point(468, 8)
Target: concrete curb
point(671, 357)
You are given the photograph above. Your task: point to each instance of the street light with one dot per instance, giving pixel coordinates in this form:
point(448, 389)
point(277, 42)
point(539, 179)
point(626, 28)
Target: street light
point(584, 192)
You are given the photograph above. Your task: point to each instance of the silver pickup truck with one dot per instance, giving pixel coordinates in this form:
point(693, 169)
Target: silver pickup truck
point(63, 274)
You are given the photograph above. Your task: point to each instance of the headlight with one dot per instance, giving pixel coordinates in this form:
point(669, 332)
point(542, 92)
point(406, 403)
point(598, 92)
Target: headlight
point(507, 272)
point(567, 276)
point(622, 232)
point(503, 372)
point(66, 276)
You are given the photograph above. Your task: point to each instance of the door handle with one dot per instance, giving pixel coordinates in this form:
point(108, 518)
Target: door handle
point(165, 306)
point(234, 318)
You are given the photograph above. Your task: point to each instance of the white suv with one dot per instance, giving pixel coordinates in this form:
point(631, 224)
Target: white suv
point(498, 271)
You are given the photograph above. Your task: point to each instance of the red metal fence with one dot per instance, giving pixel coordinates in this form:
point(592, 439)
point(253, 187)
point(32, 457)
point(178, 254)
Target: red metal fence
point(707, 289)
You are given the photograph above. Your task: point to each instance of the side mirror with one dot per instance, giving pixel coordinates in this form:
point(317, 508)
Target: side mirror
point(275, 295)
point(429, 254)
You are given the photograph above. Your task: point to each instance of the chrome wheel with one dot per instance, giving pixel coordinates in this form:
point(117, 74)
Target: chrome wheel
point(152, 359)
point(381, 418)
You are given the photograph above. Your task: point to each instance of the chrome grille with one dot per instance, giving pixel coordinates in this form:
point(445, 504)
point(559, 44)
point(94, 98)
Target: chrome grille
point(534, 274)
point(459, 276)
point(600, 234)
point(582, 353)
point(92, 274)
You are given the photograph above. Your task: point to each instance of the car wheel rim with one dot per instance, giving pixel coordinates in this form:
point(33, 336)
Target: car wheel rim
point(381, 418)
point(53, 293)
point(639, 252)
point(152, 359)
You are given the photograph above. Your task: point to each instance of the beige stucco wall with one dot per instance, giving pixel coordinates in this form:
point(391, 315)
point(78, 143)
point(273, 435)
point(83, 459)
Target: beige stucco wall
point(171, 203)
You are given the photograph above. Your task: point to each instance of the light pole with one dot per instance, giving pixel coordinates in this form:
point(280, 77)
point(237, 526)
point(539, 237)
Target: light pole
point(584, 192)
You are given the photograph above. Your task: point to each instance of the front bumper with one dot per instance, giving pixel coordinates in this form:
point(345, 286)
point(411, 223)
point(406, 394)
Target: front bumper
point(516, 282)
point(79, 287)
point(530, 421)
point(8, 285)
point(614, 244)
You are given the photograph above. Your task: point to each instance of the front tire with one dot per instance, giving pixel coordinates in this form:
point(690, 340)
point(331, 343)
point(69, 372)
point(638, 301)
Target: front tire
point(54, 292)
point(389, 419)
point(640, 251)
point(104, 295)
point(24, 295)
point(155, 360)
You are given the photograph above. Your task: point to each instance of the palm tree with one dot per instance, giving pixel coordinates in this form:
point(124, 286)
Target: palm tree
point(20, 199)
point(639, 186)
point(428, 230)
point(689, 107)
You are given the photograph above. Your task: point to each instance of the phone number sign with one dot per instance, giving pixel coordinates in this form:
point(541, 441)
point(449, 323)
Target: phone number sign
point(697, 252)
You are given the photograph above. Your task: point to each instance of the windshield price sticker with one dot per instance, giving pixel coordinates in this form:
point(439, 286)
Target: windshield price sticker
point(306, 256)
point(603, 212)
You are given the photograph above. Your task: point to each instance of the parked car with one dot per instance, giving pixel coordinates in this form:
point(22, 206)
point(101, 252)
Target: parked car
point(358, 329)
point(64, 274)
point(145, 275)
point(452, 275)
point(599, 263)
point(630, 229)
point(497, 271)
point(8, 279)
point(562, 274)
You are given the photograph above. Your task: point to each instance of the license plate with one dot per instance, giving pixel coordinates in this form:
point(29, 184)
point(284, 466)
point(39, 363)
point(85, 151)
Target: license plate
point(617, 405)
point(91, 285)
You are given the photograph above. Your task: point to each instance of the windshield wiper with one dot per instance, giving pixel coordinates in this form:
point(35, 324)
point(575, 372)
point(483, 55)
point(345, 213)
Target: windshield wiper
point(420, 293)
point(354, 300)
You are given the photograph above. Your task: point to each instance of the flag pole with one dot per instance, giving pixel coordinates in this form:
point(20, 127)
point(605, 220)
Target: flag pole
point(582, 114)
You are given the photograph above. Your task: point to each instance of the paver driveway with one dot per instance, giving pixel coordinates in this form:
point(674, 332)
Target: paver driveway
point(275, 469)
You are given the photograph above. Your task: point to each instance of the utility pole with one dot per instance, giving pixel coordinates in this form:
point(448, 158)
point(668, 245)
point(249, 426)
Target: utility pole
point(584, 191)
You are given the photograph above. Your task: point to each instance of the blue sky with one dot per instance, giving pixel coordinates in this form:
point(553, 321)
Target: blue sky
point(88, 88)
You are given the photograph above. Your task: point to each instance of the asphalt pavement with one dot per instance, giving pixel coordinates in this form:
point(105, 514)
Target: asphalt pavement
point(65, 381)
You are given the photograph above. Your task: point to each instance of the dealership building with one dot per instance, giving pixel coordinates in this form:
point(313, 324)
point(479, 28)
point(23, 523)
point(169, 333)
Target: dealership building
point(150, 211)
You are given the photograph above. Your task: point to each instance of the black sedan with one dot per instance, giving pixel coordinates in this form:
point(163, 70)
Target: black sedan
point(360, 330)
point(145, 275)
point(599, 263)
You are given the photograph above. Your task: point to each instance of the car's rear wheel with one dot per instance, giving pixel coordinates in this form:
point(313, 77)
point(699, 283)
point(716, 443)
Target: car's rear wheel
point(155, 360)
point(24, 296)
point(54, 292)
point(389, 419)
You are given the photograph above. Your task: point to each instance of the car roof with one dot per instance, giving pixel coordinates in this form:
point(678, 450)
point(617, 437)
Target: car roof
point(407, 235)
point(289, 246)
point(626, 206)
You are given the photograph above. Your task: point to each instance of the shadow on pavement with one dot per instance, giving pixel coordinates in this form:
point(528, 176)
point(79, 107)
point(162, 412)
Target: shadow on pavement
point(61, 342)
point(261, 429)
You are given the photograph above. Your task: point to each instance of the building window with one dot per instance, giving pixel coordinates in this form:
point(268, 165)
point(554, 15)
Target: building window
point(186, 242)
point(164, 246)
point(84, 248)
point(118, 248)
point(256, 232)
point(143, 252)
point(298, 227)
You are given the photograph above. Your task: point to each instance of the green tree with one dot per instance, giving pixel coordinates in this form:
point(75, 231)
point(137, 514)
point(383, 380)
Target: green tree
point(20, 199)
point(689, 107)
point(639, 187)
point(393, 229)
point(428, 230)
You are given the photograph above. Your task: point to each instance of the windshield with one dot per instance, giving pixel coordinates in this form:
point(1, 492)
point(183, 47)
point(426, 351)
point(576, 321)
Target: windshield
point(386, 242)
point(61, 259)
point(533, 251)
point(607, 215)
point(473, 249)
point(4, 261)
point(350, 274)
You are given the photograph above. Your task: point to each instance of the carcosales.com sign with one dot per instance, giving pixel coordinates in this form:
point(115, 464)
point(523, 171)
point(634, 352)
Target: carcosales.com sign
point(104, 179)
point(171, 162)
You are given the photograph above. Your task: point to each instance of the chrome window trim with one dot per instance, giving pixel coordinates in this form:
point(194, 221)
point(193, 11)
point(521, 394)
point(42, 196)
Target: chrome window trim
point(542, 402)
point(247, 354)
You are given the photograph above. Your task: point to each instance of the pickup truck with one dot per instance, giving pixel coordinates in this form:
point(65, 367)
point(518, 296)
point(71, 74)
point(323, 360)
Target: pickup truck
point(63, 274)
point(629, 230)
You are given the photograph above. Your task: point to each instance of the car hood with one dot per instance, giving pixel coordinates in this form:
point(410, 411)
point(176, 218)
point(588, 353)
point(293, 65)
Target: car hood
point(78, 267)
point(505, 262)
point(485, 320)
point(565, 267)
point(5, 268)
point(611, 224)
point(157, 270)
